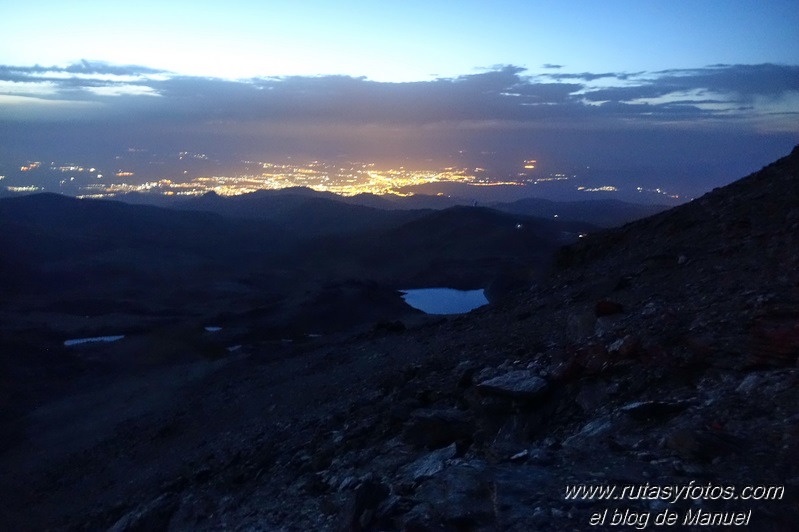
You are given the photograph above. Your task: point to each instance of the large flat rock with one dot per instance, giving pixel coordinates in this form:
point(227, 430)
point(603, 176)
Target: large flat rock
point(520, 384)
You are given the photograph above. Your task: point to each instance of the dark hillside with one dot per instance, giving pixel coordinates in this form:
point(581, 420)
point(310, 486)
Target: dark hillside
point(659, 360)
point(54, 242)
point(752, 215)
point(53, 226)
point(460, 247)
point(603, 213)
point(305, 213)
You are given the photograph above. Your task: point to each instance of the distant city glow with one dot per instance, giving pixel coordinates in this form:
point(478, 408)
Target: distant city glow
point(346, 180)
point(193, 176)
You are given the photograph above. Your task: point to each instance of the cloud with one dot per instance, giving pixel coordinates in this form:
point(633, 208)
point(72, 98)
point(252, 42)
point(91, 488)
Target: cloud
point(85, 71)
point(505, 93)
point(551, 66)
point(100, 67)
point(739, 83)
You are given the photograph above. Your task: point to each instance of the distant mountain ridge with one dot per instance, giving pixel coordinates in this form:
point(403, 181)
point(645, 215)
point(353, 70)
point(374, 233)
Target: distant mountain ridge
point(278, 203)
point(304, 212)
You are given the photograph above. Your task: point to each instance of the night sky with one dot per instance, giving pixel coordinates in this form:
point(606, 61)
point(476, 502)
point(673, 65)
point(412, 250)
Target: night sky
point(684, 94)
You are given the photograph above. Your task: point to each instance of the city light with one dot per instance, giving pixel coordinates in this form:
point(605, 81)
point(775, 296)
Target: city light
point(348, 179)
point(342, 178)
point(606, 188)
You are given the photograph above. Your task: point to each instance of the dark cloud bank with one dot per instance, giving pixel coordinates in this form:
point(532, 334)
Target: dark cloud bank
point(694, 128)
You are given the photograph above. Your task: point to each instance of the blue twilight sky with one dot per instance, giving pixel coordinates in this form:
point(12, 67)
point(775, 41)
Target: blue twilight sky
point(399, 41)
point(688, 93)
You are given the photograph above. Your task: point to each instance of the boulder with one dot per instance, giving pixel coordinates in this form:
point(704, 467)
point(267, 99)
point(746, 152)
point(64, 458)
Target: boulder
point(429, 464)
point(461, 496)
point(624, 347)
point(436, 428)
point(591, 432)
point(518, 384)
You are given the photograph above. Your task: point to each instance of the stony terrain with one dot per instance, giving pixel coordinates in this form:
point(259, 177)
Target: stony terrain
point(663, 353)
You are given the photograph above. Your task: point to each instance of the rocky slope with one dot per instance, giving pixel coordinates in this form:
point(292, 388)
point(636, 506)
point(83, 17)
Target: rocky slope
point(659, 356)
